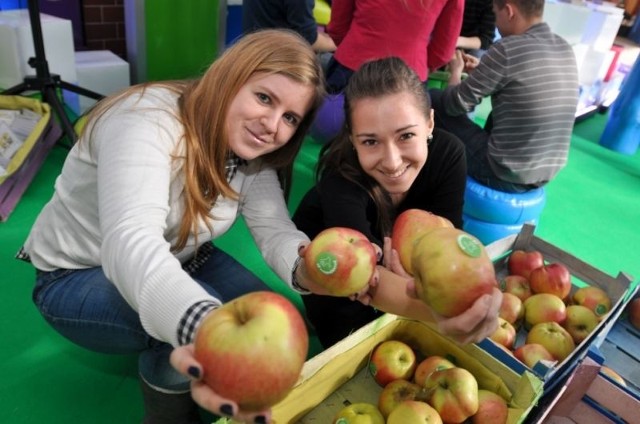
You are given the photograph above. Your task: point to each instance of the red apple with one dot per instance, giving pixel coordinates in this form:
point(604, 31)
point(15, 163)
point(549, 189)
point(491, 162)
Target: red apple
point(544, 307)
point(511, 309)
point(395, 393)
point(408, 227)
point(359, 413)
point(532, 353)
point(554, 338)
point(552, 278)
point(341, 260)
point(252, 349)
point(613, 375)
point(505, 334)
point(391, 360)
point(428, 365)
point(414, 411)
point(522, 262)
point(633, 310)
point(516, 285)
point(580, 322)
point(593, 298)
point(453, 392)
point(452, 270)
point(492, 409)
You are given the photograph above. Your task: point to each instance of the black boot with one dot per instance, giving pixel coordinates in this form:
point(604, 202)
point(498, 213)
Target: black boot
point(168, 408)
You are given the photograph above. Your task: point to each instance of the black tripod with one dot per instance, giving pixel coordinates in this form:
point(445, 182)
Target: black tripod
point(44, 81)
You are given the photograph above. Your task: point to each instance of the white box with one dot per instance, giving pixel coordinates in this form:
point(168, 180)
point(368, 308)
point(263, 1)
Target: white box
point(100, 71)
point(16, 46)
point(567, 20)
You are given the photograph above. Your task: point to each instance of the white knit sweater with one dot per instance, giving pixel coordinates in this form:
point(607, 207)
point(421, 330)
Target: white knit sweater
point(118, 204)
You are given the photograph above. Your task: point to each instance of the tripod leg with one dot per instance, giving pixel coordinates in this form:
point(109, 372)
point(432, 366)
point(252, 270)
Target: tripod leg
point(51, 97)
point(80, 90)
point(15, 89)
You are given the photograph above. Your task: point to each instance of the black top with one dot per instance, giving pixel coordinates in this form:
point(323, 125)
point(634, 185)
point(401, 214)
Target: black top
point(479, 21)
point(292, 14)
point(337, 202)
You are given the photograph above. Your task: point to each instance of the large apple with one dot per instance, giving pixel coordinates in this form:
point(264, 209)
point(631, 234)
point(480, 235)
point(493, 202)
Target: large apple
point(342, 260)
point(359, 413)
point(544, 307)
point(397, 392)
point(517, 285)
point(532, 353)
point(492, 409)
point(453, 392)
point(553, 278)
point(522, 262)
point(553, 337)
point(408, 227)
point(593, 298)
point(414, 411)
point(511, 309)
point(452, 270)
point(580, 322)
point(391, 360)
point(252, 349)
point(505, 334)
point(428, 365)
point(633, 311)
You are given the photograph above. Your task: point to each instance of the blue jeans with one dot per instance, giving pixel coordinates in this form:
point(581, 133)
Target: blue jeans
point(86, 308)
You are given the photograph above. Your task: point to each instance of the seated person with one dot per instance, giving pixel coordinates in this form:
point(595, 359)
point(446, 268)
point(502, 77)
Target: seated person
point(388, 158)
point(532, 79)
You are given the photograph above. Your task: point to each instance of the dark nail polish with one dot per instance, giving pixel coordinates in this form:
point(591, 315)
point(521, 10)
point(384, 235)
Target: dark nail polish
point(226, 409)
point(194, 371)
point(260, 419)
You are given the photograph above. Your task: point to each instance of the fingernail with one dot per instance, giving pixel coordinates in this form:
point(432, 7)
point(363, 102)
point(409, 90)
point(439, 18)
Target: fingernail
point(260, 419)
point(226, 409)
point(194, 371)
point(300, 248)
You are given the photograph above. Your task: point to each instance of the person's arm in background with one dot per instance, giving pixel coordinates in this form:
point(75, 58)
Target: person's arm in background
point(480, 25)
point(442, 43)
point(341, 16)
point(300, 19)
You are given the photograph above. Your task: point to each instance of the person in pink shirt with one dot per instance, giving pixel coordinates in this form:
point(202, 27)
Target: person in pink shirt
point(423, 33)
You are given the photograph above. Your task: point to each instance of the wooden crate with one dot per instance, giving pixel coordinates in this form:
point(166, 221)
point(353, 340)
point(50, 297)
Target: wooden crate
point(339, 375)
point(619, 290)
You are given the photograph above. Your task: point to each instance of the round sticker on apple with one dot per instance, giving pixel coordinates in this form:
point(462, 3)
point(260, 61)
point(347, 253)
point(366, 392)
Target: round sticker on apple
point(469, 245)
point(327, 263)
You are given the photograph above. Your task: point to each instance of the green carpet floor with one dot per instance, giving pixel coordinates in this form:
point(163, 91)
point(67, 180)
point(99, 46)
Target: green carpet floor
point(592, 211)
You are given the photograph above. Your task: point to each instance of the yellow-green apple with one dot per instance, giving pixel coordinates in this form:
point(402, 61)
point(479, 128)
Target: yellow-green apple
point(359, 413)
point(397, 392)
point(613, 375)
point(516, 285)
point(414, 411)
point(522, 262)
point(342, 260)
point(252, 349)
point(505, 334)
point(633, 313)
point(511, 309)
point(408, 227)
point(428, 365)
point(532, 353)
point(391, 360)
point(544, 307)
point(492, 409)
point(452, 270)
point(553, 278)
point(453, 392)
point(593, 298)
point(580, 322)
point(553, 337)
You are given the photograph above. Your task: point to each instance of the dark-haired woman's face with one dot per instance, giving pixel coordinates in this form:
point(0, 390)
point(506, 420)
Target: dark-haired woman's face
point(266, 113)
point(390, 135)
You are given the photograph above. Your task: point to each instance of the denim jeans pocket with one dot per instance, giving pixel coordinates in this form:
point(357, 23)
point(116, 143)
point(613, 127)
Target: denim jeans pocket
point(45, 279)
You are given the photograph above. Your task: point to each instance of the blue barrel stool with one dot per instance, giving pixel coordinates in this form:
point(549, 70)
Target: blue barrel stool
point(490, 215)
point(329, 119)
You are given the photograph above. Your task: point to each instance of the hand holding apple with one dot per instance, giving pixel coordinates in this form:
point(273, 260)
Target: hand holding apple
point(252, 349)
point(392, 360)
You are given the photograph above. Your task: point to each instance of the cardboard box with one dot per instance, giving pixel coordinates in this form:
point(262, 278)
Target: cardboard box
point(619, 290)
point(339, 375)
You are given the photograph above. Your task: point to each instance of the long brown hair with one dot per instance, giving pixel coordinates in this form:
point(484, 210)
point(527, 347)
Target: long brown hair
point(203, 107)
point(374, 79)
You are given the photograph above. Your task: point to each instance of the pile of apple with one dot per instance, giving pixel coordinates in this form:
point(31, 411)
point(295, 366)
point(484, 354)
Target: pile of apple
point(538, 299)
point(431, 390)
